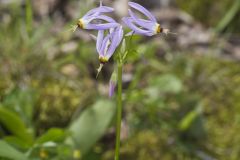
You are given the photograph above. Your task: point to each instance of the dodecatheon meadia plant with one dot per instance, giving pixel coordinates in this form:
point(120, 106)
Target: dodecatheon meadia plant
point(96, 15)
point(147, 27)
point(109, 37)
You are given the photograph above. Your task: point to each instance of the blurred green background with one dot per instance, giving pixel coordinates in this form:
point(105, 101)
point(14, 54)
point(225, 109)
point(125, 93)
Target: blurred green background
point(181, 93)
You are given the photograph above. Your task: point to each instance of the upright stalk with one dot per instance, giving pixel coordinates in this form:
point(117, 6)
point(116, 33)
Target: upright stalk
point(119, 110)
point(29, 16)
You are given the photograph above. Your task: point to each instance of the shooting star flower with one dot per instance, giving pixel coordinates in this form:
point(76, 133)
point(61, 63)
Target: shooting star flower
point(106, 45)
point(96, 15)
point(140, 26)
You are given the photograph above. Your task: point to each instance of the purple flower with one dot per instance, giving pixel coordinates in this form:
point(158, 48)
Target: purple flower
point(106, 45)
point(112, 86)
point(86, 22)
point(147, 27)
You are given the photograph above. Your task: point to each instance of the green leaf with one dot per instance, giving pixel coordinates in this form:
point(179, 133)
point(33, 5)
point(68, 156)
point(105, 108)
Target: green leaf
point(232, 12)
point(91, 125)
point(53, 134)
point(188, 120)
point(17, 142)
point(15, 125)
point(22, 102)
point(8, 151)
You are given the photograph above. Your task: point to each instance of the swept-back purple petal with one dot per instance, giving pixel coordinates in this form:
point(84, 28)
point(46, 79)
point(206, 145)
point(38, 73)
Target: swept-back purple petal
point(129, 22)
point(142, 10)
point(143, 23)
point(136, 33)
point(99, 40)
point(101, 26)
point(106, 18)
point(117, 36)
point(120, 35)
point(98, 11)
point(101, 17)
point(104, 46)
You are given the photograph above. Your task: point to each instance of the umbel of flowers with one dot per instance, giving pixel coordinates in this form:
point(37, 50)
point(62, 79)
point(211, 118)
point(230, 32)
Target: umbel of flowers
point(109, 37)
point(110, 32)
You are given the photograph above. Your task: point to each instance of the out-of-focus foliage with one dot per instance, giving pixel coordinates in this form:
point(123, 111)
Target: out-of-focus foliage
point(91, 125)
point(37, 95)
point(8, 151)
point(191, 122)
point(213, 12)
point(177, 105)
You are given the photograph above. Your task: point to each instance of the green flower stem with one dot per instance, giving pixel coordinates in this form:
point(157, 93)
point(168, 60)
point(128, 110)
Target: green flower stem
point(119, 110)
point(29, 17)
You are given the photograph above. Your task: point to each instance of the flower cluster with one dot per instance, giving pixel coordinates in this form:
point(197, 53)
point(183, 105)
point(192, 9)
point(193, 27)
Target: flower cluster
point(110, 33)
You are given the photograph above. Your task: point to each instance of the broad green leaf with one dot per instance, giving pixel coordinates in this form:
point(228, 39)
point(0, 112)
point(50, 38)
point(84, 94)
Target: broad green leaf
point(53, 134)
point(15, 125)
point(21, 101)
point(16, 142)
point(91, 125)
point(7, 151)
